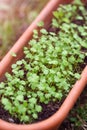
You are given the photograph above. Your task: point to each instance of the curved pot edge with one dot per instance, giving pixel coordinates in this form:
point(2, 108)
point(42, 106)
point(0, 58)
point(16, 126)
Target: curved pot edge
point(60, 115)
point(54, 121)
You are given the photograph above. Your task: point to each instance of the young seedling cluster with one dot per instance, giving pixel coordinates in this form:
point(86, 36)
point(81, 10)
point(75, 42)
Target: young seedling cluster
point(50, 67)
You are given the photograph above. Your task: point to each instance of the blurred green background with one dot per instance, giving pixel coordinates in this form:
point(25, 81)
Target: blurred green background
point(15, 17)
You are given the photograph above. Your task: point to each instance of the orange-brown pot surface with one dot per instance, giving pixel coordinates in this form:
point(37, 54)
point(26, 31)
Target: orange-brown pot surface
point(54, 121)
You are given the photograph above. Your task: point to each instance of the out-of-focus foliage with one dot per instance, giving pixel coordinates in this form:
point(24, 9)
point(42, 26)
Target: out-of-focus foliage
point(15, 17)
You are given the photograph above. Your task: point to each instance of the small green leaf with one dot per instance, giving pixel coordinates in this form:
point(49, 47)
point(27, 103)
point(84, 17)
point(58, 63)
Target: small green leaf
point(33, 100)
point(20, 97)
point(14, 66)
point(77, 76)
point(40, 24)
point(13, 54)
point(2, 85)
point(19, 62)
point(44, 31)
point(38, 108)
point(55, 23)
point(35, 116)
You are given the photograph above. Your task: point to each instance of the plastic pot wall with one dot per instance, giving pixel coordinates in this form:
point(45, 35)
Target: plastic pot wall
point(54, 121)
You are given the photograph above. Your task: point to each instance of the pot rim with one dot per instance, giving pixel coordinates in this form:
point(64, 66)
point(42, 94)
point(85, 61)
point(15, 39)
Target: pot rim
point(56, 119)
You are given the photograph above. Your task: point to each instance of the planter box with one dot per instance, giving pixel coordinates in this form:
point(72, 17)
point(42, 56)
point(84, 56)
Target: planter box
point(54, 121)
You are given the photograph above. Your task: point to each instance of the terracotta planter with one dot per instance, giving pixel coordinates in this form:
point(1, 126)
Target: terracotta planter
point(54, 121)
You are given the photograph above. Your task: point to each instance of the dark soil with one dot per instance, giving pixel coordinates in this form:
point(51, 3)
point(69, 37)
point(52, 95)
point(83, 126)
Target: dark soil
point(6, 116)
point(70, 125)
point(48, 110)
